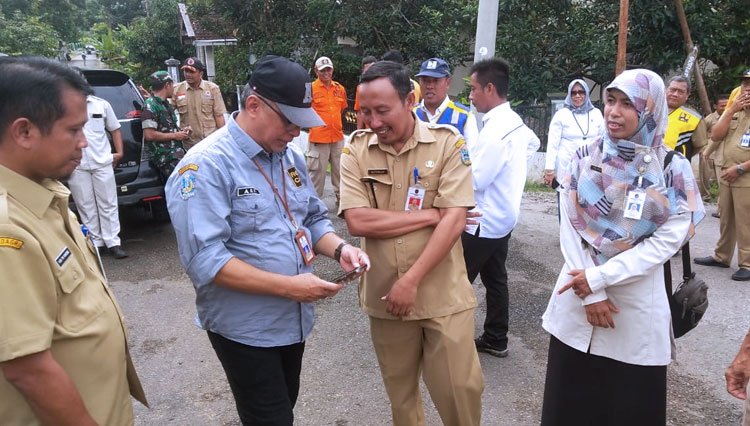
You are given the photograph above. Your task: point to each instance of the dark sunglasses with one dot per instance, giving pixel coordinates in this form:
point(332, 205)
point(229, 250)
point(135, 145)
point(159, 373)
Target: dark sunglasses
point(577, 92)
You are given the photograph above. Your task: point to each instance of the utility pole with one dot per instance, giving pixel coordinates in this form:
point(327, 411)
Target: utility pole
point(484, 47)
point(622, 37)
point(705, 103)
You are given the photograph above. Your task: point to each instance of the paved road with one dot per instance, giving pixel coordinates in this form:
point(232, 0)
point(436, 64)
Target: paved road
point(341, 382)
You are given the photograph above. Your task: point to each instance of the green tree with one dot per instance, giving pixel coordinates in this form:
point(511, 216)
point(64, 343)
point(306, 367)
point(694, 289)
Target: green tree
point(152, 40)
point(21, 34)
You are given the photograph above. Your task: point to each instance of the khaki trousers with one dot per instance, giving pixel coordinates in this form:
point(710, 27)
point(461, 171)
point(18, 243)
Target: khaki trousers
point(443, 350)
point(705, 174)
point(718, 171)
point(318, 157)
point(734, 225)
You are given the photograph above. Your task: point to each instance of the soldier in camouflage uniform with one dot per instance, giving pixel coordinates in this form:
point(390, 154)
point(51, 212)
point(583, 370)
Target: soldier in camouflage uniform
point(159, 121)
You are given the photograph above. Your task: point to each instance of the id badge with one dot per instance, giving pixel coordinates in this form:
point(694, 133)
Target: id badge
point(305, 248)
point(745, 141)
point(634, 205)
point(414, 198)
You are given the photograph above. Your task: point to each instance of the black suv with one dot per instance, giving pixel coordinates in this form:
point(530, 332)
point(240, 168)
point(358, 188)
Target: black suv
point(138, 183)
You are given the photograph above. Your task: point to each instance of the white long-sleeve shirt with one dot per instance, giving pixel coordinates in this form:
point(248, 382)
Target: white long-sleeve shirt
point(567, 132)
point(498, 163)
point(633, 281)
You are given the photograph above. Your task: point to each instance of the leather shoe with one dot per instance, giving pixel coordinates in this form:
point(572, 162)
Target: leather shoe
point(709, 261)
point(486, 347)
point(117, 252)
point(742, 274)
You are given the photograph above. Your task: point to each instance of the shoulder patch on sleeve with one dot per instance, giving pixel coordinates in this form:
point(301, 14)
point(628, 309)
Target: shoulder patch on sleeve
point(460, 143)
point(465, 159)
point(191, 166)
point(187, 186)
point(11, 242)
point(345, 150)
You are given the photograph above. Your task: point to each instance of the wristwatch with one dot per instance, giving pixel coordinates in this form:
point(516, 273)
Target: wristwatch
point(740, 169)
point(337, 252)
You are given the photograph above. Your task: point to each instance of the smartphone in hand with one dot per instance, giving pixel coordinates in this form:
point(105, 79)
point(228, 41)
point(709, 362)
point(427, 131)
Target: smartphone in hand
point(348, 276)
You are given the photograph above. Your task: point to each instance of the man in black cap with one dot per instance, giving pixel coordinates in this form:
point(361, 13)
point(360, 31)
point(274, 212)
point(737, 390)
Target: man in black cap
point(248, 223)
point(199, 103)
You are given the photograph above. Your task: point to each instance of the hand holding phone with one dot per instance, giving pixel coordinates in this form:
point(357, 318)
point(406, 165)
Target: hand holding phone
point(348, 276)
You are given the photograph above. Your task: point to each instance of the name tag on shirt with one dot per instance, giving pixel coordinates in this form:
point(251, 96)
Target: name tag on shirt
point(96, 116)
point(377, 171)
point(414, 198)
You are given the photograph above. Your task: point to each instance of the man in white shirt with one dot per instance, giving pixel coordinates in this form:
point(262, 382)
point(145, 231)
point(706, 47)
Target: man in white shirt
point(498, 158)
point(92, 184)
point(436, 107)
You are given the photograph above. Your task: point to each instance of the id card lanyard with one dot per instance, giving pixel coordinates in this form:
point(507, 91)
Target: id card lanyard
point(303, 243)
point(415, 196)
point(635, 201)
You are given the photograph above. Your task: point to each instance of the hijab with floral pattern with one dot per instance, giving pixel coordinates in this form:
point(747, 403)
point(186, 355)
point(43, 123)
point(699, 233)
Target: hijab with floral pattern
point(602, 173)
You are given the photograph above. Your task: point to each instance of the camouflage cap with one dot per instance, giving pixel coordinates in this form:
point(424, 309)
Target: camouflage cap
point(159, 78)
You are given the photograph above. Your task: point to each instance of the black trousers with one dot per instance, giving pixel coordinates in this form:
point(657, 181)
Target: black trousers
point(264, 381)
point(486, 257)
point(589, 390)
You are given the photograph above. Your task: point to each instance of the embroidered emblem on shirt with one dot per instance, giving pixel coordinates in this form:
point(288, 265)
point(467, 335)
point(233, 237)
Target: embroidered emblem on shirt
point(188, 186)
point(180, 96)
point(62, 257)
point(247, 190)
point(345, 150)
point(429, 164)
point(292, 172)
point(207, 94)
point(10, 242)
point(465, 156)
point(683, 117)
point(377, 171)
point(191, 166)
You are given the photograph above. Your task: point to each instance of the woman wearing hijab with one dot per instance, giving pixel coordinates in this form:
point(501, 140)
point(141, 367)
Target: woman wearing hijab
point(577, 124)
point(623, 215)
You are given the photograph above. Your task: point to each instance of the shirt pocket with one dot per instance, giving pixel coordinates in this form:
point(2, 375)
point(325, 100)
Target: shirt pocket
point(96, 122)
point(81, 300)
point(182, 105)
point(379, 189)
point(430, 186)
point(251, 218)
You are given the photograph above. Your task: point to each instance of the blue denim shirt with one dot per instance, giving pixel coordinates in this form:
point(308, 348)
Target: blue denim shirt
point(222, 207)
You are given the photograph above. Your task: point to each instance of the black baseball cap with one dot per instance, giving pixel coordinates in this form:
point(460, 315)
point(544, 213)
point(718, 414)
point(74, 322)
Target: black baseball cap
point(288, 84)
point(193, 63)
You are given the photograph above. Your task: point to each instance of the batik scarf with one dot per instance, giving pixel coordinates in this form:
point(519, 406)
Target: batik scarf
point(602, 173)
point(586, 106)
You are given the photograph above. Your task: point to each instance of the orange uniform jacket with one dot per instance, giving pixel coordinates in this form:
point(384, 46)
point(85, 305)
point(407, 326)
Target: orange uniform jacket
point(328, 102)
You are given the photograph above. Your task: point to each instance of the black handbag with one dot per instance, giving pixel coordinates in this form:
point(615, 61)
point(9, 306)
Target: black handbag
point(689, 302)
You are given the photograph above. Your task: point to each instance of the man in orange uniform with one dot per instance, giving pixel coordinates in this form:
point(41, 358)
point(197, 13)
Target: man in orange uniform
point(329, 100)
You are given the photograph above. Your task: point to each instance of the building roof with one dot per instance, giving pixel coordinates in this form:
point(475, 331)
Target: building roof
point(203, 30)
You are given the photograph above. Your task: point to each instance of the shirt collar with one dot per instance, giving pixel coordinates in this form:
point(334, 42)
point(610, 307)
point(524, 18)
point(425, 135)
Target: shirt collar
point(496, 111)
point(36, 197)
point(200, 86)
point(246, 143)
point(439, 110)
point(421, 134)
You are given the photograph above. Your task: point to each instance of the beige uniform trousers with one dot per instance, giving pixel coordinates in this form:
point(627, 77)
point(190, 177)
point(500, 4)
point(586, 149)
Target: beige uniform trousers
point(718, 171)
point(734, 225)
point(318, 157)
point(443, 350)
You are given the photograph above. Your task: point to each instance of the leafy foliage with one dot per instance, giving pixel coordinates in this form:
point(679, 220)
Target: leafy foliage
point(21, 34)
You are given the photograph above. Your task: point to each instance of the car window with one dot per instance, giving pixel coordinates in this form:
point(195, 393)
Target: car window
point(125, 99)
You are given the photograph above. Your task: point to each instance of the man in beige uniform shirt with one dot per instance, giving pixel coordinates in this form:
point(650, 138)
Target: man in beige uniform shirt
point(63, 349)
point(711, 155)
point(733, 134)
point(199, 103)
point(420, 303)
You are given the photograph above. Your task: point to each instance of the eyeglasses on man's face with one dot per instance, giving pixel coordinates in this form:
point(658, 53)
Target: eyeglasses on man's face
point(288, 125)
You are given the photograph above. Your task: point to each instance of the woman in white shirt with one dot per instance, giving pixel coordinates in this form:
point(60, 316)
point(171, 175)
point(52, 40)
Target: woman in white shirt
point(578, 123)
point(623, 215)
